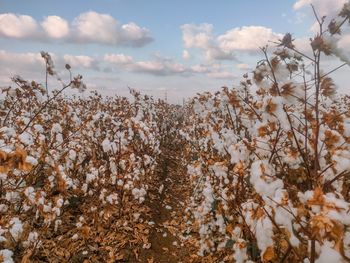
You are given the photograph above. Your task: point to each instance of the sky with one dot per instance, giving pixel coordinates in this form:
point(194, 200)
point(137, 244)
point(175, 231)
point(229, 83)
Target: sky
point(158, 47)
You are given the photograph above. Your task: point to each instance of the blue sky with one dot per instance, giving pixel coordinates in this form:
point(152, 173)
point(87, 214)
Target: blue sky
point(182, 47)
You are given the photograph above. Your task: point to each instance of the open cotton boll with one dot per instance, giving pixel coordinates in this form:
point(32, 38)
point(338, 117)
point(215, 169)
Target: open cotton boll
point(240, 251)
point(328, 254)
point(26, 138)
point(16, 228)
point(6, 255)
point(263, 178)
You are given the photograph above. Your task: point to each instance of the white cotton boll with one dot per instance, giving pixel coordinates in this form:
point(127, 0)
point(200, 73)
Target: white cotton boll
point(3, 177)
point(16, 228)
point(6, 255)
point(347, 128)
point(26, 138)
point(91, 176)
point(7, 131)
point(59, 138)
point(72, 155)
point(112, 198)
point(342, 159)
point(2, 231)
point(12, 197)
point(56, 128)
point(31, 160)
point(240, 251)
point(106, 145)
point(30, 193)
point(39, 128)
point(281, 72)
point(263, 180)
point(32, 239)
point(346, 241)
point(264, 234)
point(328, 254)
point(3, 208)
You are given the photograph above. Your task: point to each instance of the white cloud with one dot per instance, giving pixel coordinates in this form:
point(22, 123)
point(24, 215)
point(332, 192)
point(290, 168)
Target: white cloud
point(247, 38)
point(199, 36)
point(323, 8)
point(118, 58)
point(102, 28)
point(135, 35)
point(89, 27)
point(29, 65)
point(80, 61)
point(225, 46)
point(243, 66)
point(221, 75)
point(55, 27)
point(185, 54)
point(200, 69)
point(17, 26)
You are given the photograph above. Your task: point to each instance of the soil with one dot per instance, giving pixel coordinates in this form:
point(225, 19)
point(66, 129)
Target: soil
point(168, 237)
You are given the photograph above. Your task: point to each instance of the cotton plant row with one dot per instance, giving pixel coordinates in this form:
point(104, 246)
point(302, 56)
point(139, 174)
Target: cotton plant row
point(94, 157)
point(270, 159)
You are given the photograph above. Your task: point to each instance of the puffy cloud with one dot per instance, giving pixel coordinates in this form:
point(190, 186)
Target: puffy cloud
point(243, 66)
point(80, 61)
point(89, 27)
point(135, 35)
point(221, 75)
point(185, 54)
point(55, 27)
point(247, 38)
point(20, 60)
point(200, 69)
point(323, 8)
point(92, 26)
point(225, 46)
point(118, 58)
point(17, 26)
point(199, 36)
point(29, 65)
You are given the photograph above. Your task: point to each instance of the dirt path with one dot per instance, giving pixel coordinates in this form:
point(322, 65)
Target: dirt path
point(169, 239)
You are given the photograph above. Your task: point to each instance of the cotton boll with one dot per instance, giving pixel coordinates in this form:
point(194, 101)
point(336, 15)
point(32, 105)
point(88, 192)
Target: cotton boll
point(240, 251)
point(263, 180)
point(6, 255)
point(16, 228)
point(26, 138)
point(328, 254)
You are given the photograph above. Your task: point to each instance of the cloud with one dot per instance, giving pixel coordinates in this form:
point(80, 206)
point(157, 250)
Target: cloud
point(89, 27)
point(221, 75)
point(29, 65)
point(118, 58)
point(55, 27)
point(323, 8)
point(80, 61)
point(185, 54)
point(247, 38)
point(199, 36)
point(160, 66)
point(243, 66)
point(17, 26)
point(225, 46)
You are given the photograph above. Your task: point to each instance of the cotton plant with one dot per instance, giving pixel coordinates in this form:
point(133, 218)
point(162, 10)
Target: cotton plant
point(94, 156)
point(282, 138)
